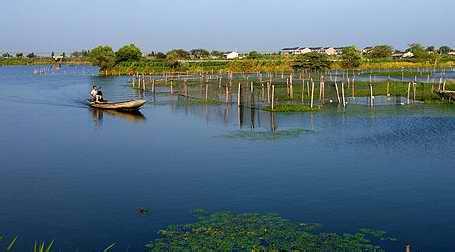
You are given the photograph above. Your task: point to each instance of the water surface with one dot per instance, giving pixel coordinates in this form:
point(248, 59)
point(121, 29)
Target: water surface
point(77, 176)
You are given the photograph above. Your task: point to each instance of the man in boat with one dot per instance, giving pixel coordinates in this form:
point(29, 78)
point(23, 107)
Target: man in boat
point(99, 96)
point(93, 93)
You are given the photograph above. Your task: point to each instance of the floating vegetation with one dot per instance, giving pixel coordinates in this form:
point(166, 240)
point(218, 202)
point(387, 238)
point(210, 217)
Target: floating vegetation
point(226, 231)
point(267, 135)
point(292, 108)
point(41, 247)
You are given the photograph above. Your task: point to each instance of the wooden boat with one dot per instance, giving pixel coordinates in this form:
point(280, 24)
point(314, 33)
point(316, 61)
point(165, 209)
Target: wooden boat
point(121, 106)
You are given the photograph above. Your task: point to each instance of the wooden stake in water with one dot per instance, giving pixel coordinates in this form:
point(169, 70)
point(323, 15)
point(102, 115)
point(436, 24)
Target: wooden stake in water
point(342, 94)
point(206, 92)
point(409, 92)
point(273, 96)
point(312, 93)
point(238, 95)
point(338, 93)
point(371, 95)
point(388, 85)
point(303, 89)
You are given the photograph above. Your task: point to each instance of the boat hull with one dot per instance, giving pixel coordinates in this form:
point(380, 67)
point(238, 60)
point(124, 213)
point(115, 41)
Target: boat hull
point(120, 106)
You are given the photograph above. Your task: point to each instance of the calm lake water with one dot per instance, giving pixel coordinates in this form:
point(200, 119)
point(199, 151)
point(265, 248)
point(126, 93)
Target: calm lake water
point(77, 176)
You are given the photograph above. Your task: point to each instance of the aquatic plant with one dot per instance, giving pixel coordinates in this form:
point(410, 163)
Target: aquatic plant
point(41, 246)
point(227, 231)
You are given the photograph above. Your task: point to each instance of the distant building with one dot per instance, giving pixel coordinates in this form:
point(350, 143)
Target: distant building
point(397, 54)
point(339, 50)
point(231, 55)
point(407, 55)
point(330, 51)
point(451, 53)
point(58, 57)
point(289, 50)
point(367, 49)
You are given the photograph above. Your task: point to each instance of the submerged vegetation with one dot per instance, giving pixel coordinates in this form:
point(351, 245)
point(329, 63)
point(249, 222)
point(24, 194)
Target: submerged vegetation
point(292, 108)
point(254, 135)
point(227, 231)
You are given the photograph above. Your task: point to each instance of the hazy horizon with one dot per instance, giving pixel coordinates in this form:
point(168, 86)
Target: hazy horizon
point(50, 25)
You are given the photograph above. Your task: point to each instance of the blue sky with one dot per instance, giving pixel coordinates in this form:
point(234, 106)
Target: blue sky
point(266, 25)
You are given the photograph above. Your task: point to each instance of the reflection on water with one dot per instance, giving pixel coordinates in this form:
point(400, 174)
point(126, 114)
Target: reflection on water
point(131, 116)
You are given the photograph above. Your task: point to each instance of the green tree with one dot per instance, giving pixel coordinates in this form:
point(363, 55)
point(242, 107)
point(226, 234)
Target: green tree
point(431, 49)
point(351, 57)
point(216, 54)
point(380, 51)
point(199, 53)
point(419, 51)
point(31, 55)
point(312, 61)
point(178, 54)
point(128, 53)
point(19, 55)
point(444, 49)
point(254, 55)
point(102, 56)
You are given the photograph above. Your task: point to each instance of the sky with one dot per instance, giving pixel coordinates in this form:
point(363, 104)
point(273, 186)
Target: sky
point(241, 25)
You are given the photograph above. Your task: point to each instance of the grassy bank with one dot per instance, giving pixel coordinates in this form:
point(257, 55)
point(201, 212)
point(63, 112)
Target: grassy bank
point(41, 61)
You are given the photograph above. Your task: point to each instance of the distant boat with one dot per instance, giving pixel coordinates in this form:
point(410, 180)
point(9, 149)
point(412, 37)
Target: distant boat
point(132, 105)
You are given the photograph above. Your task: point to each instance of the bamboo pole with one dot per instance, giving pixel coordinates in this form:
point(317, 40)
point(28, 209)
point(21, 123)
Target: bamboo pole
point(303, 89)
point(338, 93)
point(273, 96)
point(342, 94)
point(371, 95)
point(238, 95)
point(312, 93)
point(409, 92)
point(291, 91)
point(206, 92)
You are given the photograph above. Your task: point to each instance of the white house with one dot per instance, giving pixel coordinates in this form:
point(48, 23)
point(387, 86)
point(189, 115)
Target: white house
point(57, 57)
point(452, 53)
point(330, 51)
point(289, 50)
point(231, 55)
point(408, 55)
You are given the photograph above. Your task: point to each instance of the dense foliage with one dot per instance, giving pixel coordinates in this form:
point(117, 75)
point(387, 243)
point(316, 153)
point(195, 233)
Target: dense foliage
point(351, 57)
point(380, 51)
point(312, 61)
point(128, 53)
point(178, 54)
point(102, 56)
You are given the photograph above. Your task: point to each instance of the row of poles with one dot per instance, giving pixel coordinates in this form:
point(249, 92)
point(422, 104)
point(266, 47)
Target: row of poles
point(142, 81)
